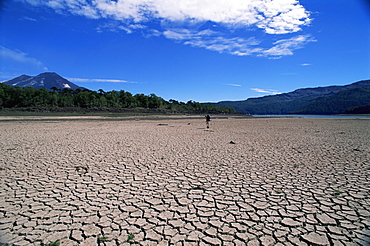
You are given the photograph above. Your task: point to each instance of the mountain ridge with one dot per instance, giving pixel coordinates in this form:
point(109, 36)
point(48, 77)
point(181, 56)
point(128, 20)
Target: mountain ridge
point(46, 80)
point(291, 102)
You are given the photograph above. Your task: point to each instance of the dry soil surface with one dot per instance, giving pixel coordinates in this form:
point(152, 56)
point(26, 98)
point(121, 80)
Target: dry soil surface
point(288, 181)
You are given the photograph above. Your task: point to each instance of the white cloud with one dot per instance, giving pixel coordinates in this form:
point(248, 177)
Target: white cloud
point(285, 16)
point(285, 47)
point(29, 19)
point(20, 57)
point(267, 91)
point(305, 64)
point(236, 85)
point(273, 16)
point(212, 40)
point(82, 80)
point(116, 26)
point(182, 21)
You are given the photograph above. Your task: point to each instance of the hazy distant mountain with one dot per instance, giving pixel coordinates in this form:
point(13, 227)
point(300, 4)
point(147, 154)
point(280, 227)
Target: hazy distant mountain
point(47, 80)
point(320, 100)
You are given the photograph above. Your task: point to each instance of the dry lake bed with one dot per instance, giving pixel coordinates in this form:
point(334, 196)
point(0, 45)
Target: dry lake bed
point(275, 181)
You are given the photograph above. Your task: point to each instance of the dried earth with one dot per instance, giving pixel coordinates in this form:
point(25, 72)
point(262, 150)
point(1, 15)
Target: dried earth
point(287, 181)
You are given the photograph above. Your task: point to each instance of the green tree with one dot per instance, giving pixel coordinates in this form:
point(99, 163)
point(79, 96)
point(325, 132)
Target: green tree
point(42, 97)
point(82, 99)
point(27, 97)
point(155, 101)
point(5, 95)
point(142, 100)
point(126, 99)
point(112, 98)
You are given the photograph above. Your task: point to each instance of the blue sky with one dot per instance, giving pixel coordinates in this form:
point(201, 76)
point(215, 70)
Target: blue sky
point(201, 50)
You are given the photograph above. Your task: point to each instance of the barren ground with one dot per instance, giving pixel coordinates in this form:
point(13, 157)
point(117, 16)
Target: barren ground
point(287, 181)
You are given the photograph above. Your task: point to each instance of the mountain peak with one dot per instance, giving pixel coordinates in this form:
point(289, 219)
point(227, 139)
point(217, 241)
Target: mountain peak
point(46, 80)
point(50, 74)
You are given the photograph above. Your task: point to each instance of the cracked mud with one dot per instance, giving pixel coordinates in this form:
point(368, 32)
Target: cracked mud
point(174, 182)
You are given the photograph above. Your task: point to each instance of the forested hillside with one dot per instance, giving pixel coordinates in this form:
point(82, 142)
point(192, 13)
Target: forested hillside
point(320, 100)
point(337, 103)
point(59, 99)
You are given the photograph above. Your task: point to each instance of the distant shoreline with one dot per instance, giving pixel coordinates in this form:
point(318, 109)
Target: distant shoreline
point(311, 116)
point(137, 115)
point(113, 116)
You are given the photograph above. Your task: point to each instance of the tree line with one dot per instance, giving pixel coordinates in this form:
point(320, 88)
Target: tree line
point(28, 97)
point(305, 103)
point(339, 103)
point(363, 109)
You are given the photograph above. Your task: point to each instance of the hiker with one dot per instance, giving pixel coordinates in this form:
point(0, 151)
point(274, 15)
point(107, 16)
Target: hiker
point(208, 119)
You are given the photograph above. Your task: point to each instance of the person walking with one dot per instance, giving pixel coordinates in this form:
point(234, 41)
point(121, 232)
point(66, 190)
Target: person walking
point(208, 119)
